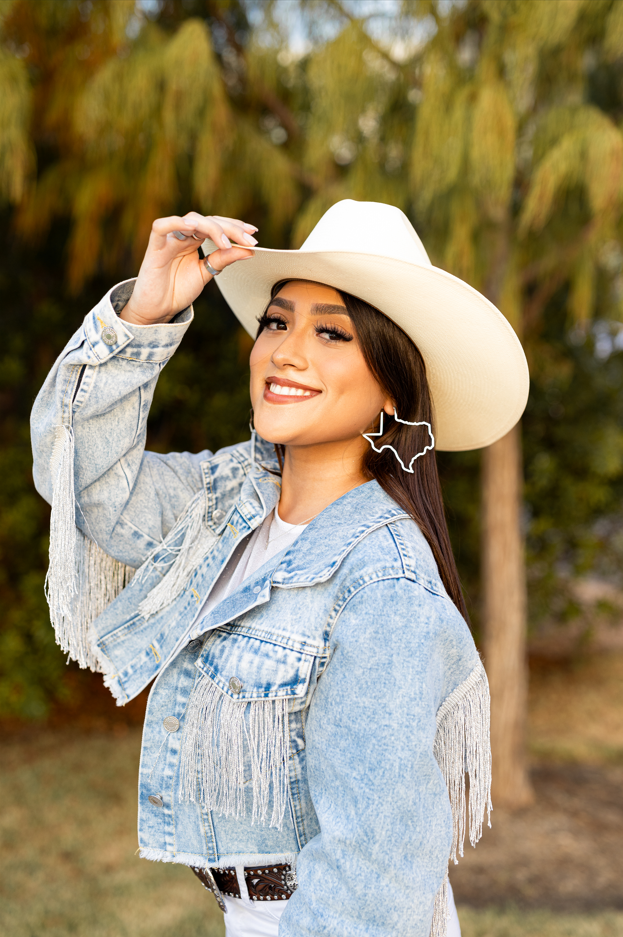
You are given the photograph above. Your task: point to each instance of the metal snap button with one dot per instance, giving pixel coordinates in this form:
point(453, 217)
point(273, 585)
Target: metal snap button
point(109, 336)
point(171, 723)
point(194, 645)
point(156, 800)
point(257, 589)
point(235, 685)
point(218, 516)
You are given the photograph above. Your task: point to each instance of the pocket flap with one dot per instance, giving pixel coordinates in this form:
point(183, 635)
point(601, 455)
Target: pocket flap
point(249, 668)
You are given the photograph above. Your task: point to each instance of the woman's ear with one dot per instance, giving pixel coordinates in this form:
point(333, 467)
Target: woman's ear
point(389, 407)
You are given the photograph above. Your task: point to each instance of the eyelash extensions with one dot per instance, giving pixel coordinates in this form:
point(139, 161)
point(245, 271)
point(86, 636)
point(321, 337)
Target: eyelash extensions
point(266, 319)
point(334, 331)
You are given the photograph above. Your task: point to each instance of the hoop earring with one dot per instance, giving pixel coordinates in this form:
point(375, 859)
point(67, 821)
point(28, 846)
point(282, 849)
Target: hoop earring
point(251, 421)
point(387, 446)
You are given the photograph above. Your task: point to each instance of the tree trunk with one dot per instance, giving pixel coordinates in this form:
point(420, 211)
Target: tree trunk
point(504, 606)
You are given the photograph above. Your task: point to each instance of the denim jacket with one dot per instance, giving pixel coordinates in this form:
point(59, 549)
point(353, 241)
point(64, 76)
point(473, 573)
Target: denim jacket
point(330, 709)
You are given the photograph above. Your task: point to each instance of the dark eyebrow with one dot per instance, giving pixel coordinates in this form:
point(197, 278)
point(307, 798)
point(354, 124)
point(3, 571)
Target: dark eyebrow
point(328, 309)
point(283, 303)
point(318, 309)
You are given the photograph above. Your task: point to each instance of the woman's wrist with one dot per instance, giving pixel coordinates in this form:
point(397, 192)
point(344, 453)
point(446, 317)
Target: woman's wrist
point(130, 313)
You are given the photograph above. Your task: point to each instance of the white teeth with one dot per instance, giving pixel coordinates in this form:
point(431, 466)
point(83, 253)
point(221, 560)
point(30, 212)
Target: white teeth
point(286, 391)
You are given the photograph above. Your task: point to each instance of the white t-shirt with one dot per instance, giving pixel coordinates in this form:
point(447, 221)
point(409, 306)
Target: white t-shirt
point(270, 538)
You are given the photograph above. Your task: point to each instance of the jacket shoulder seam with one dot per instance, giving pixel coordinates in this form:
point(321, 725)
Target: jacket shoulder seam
point(410, 570)
point(351, 590)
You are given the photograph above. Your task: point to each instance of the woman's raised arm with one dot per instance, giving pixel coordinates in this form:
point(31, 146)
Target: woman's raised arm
point(91, 413)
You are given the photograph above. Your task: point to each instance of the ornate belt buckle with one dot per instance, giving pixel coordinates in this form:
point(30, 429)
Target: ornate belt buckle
point(213, 887)
point(291, 880)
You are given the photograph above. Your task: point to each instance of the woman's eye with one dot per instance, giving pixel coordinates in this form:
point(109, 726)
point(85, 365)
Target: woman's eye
point(333, 334)
point(273, 323)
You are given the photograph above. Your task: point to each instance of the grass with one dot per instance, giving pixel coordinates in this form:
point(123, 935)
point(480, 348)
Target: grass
point(575, 711)
point(68, 841)
point(68, 866)
point(516, 923)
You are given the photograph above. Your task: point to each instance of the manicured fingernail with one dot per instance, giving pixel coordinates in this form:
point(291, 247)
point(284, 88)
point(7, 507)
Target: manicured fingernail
point(249, 240)
point(225, 241)
point(252, 226)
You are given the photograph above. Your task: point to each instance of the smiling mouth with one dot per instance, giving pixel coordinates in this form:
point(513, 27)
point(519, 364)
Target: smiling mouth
point(280, 390)
point(285, 391)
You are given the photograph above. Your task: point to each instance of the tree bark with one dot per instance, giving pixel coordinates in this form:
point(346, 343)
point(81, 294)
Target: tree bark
point(504, 607)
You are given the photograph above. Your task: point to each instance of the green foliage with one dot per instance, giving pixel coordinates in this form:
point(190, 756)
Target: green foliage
point(573, 452)
point(15, 150)
point(493, 123)
point(34, 327)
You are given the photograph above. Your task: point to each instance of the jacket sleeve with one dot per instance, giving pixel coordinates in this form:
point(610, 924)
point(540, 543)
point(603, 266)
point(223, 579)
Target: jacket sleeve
point(101, 387)
point(382, 804)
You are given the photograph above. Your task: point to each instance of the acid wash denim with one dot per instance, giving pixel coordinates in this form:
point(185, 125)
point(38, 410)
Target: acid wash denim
point(350, 629)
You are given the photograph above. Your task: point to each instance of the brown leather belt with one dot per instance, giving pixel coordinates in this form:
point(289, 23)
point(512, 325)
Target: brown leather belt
point(267, 883)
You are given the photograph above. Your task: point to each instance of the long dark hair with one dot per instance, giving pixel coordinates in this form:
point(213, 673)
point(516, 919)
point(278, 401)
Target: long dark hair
point(399, 368)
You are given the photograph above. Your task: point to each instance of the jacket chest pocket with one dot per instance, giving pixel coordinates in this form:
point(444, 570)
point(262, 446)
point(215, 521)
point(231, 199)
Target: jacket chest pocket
point(249, 668)
point(237, 735)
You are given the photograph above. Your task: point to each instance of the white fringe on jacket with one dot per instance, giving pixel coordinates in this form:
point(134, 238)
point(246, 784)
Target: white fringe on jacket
point(197, 541)
point(221, 736)
point(462, 746)
point(81, 580)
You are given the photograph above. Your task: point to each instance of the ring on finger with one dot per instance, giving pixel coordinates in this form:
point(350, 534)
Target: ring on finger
point(210, 268)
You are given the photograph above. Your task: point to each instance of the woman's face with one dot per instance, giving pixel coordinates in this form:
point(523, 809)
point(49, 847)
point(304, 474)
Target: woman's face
point(310, 383)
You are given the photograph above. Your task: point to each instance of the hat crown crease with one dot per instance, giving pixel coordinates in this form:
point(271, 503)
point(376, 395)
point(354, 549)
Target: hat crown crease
point(367, 228)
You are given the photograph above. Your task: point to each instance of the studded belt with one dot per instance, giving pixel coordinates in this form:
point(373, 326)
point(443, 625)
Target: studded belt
point(267, 883)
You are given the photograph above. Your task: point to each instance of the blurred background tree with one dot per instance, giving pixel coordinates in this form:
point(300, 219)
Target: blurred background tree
point(494, 124)
point(516, 166)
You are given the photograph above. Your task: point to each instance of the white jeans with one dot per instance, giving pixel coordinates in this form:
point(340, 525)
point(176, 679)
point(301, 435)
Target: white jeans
point(257, 919)
point(252, 918)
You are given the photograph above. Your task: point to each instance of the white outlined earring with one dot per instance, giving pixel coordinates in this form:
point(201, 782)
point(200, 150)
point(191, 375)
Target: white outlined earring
point(387, 446)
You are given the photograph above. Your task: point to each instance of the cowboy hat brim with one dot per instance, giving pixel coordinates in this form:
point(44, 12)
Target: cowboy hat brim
point(476, 367)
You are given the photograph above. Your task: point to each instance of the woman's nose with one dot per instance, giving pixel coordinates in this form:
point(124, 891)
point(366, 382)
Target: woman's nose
point(290, 351)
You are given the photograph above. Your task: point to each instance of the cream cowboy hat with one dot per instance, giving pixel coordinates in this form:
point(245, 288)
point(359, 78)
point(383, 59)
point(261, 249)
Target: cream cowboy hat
point(476, 368)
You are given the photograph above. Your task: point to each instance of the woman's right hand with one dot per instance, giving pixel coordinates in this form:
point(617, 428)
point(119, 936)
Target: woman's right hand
point(172, 274)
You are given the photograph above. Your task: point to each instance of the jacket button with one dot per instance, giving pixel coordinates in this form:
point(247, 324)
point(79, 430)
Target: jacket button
point(171, 724)
point(195, 645)
point(235, 685)
point(218, 516)
point(257, 589)
point(156, 800)
point(109, 336)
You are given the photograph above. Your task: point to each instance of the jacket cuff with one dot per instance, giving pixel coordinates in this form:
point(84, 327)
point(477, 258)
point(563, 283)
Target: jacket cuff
point(108, 335)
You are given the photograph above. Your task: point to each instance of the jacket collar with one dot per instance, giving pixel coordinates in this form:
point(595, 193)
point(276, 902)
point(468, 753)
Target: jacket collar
point(246, 477)
point(263, 453)
point(320, 549)
point(331, 535)
point(318, 552)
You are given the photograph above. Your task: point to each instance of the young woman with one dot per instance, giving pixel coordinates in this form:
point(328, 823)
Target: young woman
point(318, 696)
